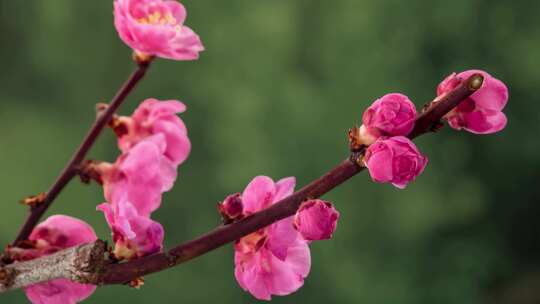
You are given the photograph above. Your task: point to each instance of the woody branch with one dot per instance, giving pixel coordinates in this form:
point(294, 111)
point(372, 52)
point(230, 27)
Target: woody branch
point(87, 263)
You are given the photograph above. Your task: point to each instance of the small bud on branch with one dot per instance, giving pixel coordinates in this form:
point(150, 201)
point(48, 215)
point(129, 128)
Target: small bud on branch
point(34, 200)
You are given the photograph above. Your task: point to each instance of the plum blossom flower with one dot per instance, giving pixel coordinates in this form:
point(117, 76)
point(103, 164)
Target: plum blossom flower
point(56, 233)
point(394, 160)
point(391, 115)
point(480, 113)
point(140, 175)
point(276, 259)
point(316, 220)
point(156, 28)
point(134, 235)
point(156, 117)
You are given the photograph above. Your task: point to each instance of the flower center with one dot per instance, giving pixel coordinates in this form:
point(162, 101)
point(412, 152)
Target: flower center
point(251, 243)
point(158, 18)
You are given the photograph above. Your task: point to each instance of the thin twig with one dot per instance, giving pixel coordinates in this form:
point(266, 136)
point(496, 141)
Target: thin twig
point(123, 273)
point(70, 169)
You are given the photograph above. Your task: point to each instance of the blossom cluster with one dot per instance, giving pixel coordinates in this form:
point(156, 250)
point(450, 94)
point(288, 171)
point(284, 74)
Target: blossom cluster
point(275, 260)
point(153, 142)
point(393, 158)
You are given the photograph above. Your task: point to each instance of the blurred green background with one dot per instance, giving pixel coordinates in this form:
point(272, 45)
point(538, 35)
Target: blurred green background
point(275, 92)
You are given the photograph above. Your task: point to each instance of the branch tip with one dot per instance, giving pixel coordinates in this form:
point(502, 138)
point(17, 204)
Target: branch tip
point(475, 82)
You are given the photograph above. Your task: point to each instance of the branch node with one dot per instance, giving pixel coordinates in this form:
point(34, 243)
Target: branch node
point(89, 262)
point(355, 142)
point(88, 172)
point(34, 200)
point(7, 276)
point(142, 59)
point(476, 82)
point(136, 283)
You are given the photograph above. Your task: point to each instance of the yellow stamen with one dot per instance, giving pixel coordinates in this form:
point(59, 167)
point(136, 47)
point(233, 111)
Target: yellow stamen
point(156, 18)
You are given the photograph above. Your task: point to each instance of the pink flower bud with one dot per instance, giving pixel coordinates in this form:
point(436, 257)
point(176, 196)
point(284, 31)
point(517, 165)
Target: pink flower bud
point(390, 115)
point(56, 233)
point(316, 220)
point(156, 28)
point(231, 208)
point(394, 160)
point(481, 113)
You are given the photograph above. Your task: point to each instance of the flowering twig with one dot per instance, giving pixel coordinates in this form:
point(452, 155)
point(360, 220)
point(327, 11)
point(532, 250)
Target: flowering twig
point(104, 272)
point(70, 170)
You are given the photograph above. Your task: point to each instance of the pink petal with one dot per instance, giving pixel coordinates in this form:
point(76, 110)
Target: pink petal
point(258, 194)
point(493, 95)
point(77, 231)
point(167, 107)
point(186, 45)
point(380, 166)
point(284, 188)
point(177, 10)
point(281, 235)
point(178, 144)
point(168, 174)
point(58, 291)
point(483, 123)
point(288, 276)
point(251, 276)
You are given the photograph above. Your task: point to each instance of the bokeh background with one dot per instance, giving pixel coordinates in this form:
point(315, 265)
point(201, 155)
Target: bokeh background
point(275, 92)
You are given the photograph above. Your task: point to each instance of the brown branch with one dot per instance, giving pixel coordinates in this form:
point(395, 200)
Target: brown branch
point(81, 264)
point(125, 272)
point(70, 169)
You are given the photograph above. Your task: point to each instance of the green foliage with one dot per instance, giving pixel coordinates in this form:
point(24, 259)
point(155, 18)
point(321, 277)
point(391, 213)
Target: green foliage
point(276, 90)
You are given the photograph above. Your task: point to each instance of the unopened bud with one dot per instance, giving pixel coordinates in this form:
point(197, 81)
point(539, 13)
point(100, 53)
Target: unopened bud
point(231, 208)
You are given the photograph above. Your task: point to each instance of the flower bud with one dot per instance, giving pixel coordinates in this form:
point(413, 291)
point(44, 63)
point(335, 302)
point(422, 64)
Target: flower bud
point(232, 207)
point(394, 160)
point(480, 113)
point(316, 220)
point(391, 115)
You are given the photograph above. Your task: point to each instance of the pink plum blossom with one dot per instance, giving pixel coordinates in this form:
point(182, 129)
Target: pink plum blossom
point(156, 28)
point(394, 160)
point(316, 220)
point(56, 233)
point(274, 260)
point(156, 117)
point(141, 175)
point(134, 235)
point(391, 115)
point(481, 113)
